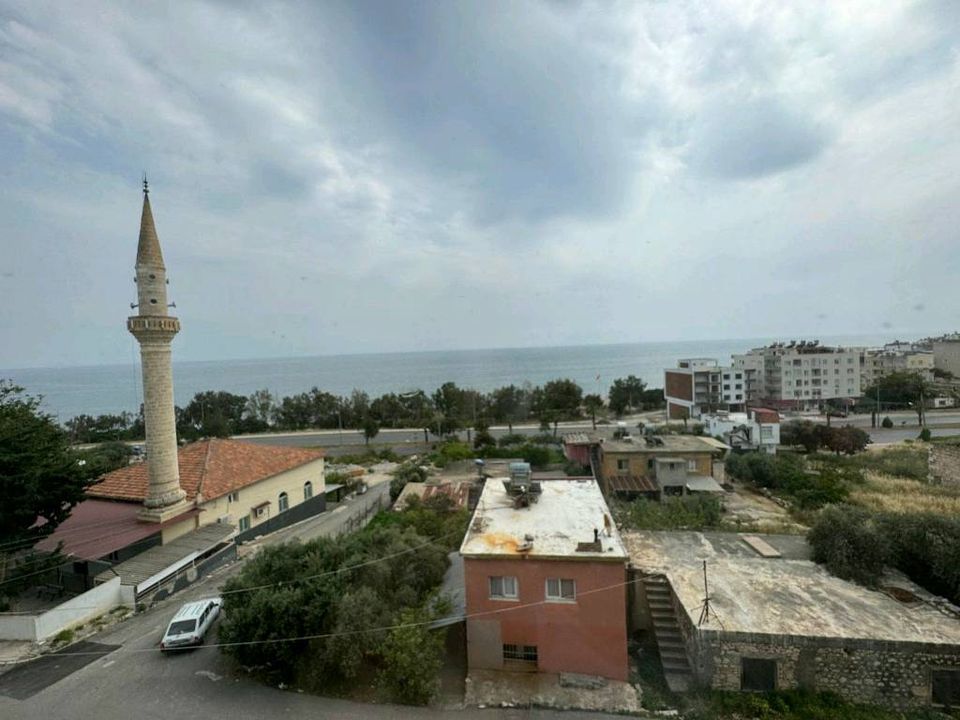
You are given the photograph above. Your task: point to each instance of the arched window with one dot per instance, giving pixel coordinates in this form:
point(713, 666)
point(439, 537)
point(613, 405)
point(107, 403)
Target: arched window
point(284, 501)
point(307, 490)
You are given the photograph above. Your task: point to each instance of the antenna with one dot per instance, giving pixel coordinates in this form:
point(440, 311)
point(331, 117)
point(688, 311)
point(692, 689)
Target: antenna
point(705, 610)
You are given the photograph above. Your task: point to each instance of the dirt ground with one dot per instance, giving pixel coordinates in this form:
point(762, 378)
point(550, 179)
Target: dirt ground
point(755, 512)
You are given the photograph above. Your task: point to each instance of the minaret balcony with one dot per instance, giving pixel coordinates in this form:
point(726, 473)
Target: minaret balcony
point(155, 325)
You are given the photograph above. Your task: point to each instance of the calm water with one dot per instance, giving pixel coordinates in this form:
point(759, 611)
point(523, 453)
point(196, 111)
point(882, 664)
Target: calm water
point(114, 388)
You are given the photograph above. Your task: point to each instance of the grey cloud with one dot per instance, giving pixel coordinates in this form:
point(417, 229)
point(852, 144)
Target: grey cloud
point(754, 138)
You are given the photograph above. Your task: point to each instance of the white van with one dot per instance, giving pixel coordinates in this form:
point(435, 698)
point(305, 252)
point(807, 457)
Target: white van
point(190, 624)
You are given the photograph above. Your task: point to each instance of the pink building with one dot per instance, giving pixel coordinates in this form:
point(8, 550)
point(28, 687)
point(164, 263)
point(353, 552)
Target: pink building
point(545, 580)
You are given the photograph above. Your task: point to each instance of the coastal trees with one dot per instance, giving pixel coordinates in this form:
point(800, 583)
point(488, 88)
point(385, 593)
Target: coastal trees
point(626, 393)
point(507, 405)
point(211, 414)
point(39, 476)
point(557, 400)
point(593, 404)
point(89, 429)
point(900, 389)
point(371, 428)
point(259, 410)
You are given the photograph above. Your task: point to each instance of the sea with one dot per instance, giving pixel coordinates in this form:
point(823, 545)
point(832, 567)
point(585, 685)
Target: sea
point(95, 390)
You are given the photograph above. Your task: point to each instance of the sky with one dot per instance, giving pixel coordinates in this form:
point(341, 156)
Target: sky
point(391, 176)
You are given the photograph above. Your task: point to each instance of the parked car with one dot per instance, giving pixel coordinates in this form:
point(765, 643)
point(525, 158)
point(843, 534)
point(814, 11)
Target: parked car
point(190, 624)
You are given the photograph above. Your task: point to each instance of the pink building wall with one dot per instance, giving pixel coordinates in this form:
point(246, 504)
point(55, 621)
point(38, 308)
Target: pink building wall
point(586, 636)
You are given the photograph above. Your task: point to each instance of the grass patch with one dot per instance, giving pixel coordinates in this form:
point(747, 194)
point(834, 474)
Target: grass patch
point(648, 674)
point(907, 462)
point(693, 512)
point(64, 637)
point(896, 494)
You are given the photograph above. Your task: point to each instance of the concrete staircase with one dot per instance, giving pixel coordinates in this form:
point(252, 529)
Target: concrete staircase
point(673, 652)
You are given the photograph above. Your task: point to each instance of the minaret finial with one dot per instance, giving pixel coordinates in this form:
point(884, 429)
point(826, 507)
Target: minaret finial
point(146, 187)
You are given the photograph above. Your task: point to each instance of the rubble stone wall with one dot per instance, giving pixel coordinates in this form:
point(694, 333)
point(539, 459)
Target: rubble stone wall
point(944, 464)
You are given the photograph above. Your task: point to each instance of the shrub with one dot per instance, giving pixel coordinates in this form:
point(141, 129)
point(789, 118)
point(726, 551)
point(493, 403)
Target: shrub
point(925, 435)
point(484, 439)
point(407, 472)
point(887, 423)
point(412, 656)
point(64, 637)
point(849, 541)
point(451, 451)
point(512, 439)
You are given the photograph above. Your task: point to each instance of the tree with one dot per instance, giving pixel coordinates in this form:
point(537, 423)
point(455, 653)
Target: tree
point(902, 389)
point(260, 410)
point(371, 429)
point(593, 403)
point(625, 393)
point(801, 432)
point(211, 414)
point(847, 439)
point(507, 404)
point(39, 476)
point(412, 655)
point(558, 400)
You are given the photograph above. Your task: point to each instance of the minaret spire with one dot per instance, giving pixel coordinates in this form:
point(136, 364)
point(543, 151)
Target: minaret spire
point(154, 329)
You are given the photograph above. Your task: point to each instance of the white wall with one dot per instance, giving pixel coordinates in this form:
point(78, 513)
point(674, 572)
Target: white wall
point(78, 610)
point(18, 627)
point(73, 612)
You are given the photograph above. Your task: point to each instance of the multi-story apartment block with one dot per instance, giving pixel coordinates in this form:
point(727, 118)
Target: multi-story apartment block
point(897, 357)
point(800, 374)
point(697, 385)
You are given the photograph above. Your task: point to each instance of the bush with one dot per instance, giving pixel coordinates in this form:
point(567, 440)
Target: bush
point(484, 439)
point(851, 544)
point(887, 423)
point(925, 435)
point(513, 439)
point(407, 472)
point(926, 548)
point(790, 476)
point(451, 451)
point(64, 637)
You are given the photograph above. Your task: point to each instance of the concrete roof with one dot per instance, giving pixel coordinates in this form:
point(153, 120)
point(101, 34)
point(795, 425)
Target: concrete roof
point(155, 560)
point(671, 444)
point(782, 596)
point(566, 515)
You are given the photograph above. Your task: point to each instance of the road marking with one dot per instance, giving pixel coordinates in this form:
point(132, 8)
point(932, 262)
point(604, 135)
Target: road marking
point(209, 675)
point(108, 663)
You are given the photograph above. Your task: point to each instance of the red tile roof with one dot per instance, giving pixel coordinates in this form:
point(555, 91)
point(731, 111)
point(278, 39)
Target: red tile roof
point(210, 468)
point(765, 415)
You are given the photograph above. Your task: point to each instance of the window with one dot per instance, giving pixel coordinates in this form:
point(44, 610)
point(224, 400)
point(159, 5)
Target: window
point(244, 523)
point(503, 587)
point(691, 465)
point(945, 688)
point(234, 497)
point(523, 653)
point(561, 589)
point(283, 502)
point(766, 432)
point(623, 464)
point(758, 674)
point(307, 490)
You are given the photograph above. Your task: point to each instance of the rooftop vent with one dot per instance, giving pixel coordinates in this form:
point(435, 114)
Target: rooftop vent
point(527, 544)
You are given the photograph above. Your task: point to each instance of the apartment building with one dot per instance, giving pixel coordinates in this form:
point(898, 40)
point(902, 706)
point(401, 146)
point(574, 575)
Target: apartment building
point(800, 374)
point(897, 357)
point(698, 385)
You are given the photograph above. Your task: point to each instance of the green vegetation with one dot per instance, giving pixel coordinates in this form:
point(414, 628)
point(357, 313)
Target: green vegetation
point(796, 705)
point(813, 436)
point(368, 457)
point(856, 543)
point(887, 423)
point(39, 477)
point(319, 611)
point(692, 512)
point(908, 462)
point(902, 390)
point(410, 471)
point(925, 435)
point(64, 637)
point(794, 478)
point(443, 412)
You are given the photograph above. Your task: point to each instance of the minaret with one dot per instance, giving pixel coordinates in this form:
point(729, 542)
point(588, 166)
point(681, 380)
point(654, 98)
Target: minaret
point(154, 329)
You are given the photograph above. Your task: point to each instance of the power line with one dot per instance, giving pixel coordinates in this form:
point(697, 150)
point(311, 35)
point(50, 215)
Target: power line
point(344, 633)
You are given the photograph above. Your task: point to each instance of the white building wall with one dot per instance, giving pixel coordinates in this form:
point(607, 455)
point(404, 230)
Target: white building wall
point(75, 611)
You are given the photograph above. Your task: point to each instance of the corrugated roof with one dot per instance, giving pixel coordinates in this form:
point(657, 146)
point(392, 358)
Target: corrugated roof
point(209, 468)
point(632, 483)
point(97, 528)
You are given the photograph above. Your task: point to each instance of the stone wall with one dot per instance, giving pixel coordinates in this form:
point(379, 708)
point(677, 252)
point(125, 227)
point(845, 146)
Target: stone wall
point(944, 464)
point(882, 673)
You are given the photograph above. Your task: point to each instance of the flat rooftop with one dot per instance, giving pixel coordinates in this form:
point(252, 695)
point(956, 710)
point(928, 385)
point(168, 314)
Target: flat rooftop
point(789, 595)
point(671, 443)
point(564, 518)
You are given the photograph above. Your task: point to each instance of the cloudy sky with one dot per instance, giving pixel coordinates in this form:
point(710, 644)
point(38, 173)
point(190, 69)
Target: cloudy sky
point(371, 176)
